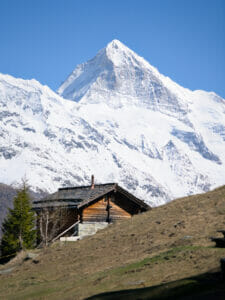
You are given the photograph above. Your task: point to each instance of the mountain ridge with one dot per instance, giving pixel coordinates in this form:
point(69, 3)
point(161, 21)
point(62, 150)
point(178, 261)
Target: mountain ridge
point(131, 125)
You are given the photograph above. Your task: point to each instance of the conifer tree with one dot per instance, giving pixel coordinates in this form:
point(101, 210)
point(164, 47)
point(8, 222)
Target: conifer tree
point(19, 226)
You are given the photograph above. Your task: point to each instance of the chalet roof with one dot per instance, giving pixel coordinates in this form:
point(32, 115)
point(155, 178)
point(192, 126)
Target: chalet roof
point(83, 195)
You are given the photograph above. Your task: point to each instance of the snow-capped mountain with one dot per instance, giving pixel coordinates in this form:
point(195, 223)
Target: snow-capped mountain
point(123, 121)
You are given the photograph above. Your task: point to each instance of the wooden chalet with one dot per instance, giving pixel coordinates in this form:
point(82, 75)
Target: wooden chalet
point(85, 209)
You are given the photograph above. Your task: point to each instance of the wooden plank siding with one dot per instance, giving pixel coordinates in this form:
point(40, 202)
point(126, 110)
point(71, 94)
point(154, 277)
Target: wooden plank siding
point(98, 211)
point(116, 212)
point(130, 207)
point(95, 212)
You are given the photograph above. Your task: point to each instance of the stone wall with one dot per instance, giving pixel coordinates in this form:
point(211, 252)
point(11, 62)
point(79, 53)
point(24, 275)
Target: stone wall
point(90, 228)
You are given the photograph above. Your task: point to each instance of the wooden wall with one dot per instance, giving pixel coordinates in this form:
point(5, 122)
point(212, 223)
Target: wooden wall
point(104, 210)
point(131, 207)
point(116, 212)
point(96, 212)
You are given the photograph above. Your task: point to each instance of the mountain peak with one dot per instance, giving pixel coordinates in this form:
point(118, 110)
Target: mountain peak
point(132, 126)
point(116, 44)
point(120, 54)
point(115, 72)
point(119, 77)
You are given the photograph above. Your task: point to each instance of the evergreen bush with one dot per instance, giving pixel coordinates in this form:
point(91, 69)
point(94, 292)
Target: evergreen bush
point(19, 226)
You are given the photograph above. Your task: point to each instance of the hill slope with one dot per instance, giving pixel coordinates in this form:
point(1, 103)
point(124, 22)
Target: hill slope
point(168, 243)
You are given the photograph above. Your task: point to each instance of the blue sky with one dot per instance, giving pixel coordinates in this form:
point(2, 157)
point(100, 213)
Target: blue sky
point(184, 39)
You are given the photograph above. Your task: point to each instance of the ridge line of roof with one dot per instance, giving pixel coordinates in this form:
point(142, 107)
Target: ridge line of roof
point(94, 197)
point(85, 186)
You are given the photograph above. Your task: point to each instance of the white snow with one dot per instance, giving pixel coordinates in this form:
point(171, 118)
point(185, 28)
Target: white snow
point(123, 121)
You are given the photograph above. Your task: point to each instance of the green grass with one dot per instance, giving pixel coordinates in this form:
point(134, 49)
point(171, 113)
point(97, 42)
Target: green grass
point(196, 288)
point(132, 272)
point(162, 257)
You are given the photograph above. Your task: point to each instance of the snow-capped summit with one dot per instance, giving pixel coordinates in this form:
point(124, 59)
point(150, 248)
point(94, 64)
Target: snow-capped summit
point(115, 69)
point(121, 55)
point(125, 123)
point(119, 77)
point(117, 44)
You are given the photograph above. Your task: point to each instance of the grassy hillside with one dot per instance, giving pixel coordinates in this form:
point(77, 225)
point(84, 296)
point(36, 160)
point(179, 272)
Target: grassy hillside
point(162, 246)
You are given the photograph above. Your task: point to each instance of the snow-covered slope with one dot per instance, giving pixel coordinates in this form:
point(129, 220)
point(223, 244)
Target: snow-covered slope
point(124, 122)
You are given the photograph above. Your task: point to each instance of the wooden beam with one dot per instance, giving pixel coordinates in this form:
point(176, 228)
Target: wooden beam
point(65, 231)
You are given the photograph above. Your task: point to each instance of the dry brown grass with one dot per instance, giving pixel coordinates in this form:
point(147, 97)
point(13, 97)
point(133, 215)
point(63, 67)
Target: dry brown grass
point(165, 244)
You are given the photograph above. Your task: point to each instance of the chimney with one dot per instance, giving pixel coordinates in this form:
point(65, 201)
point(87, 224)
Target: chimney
point(92, 182)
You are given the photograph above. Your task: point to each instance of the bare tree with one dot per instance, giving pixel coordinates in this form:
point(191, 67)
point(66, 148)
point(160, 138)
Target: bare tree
point(51, 221)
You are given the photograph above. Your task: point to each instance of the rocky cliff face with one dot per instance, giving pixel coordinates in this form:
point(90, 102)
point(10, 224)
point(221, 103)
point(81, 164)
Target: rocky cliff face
point(116, 117)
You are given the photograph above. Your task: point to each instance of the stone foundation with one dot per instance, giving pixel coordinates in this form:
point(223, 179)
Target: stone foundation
point(84, 229)
point(90, 228)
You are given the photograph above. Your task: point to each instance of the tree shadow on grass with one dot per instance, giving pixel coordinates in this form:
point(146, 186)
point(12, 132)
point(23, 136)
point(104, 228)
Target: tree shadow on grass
point(208, 286)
